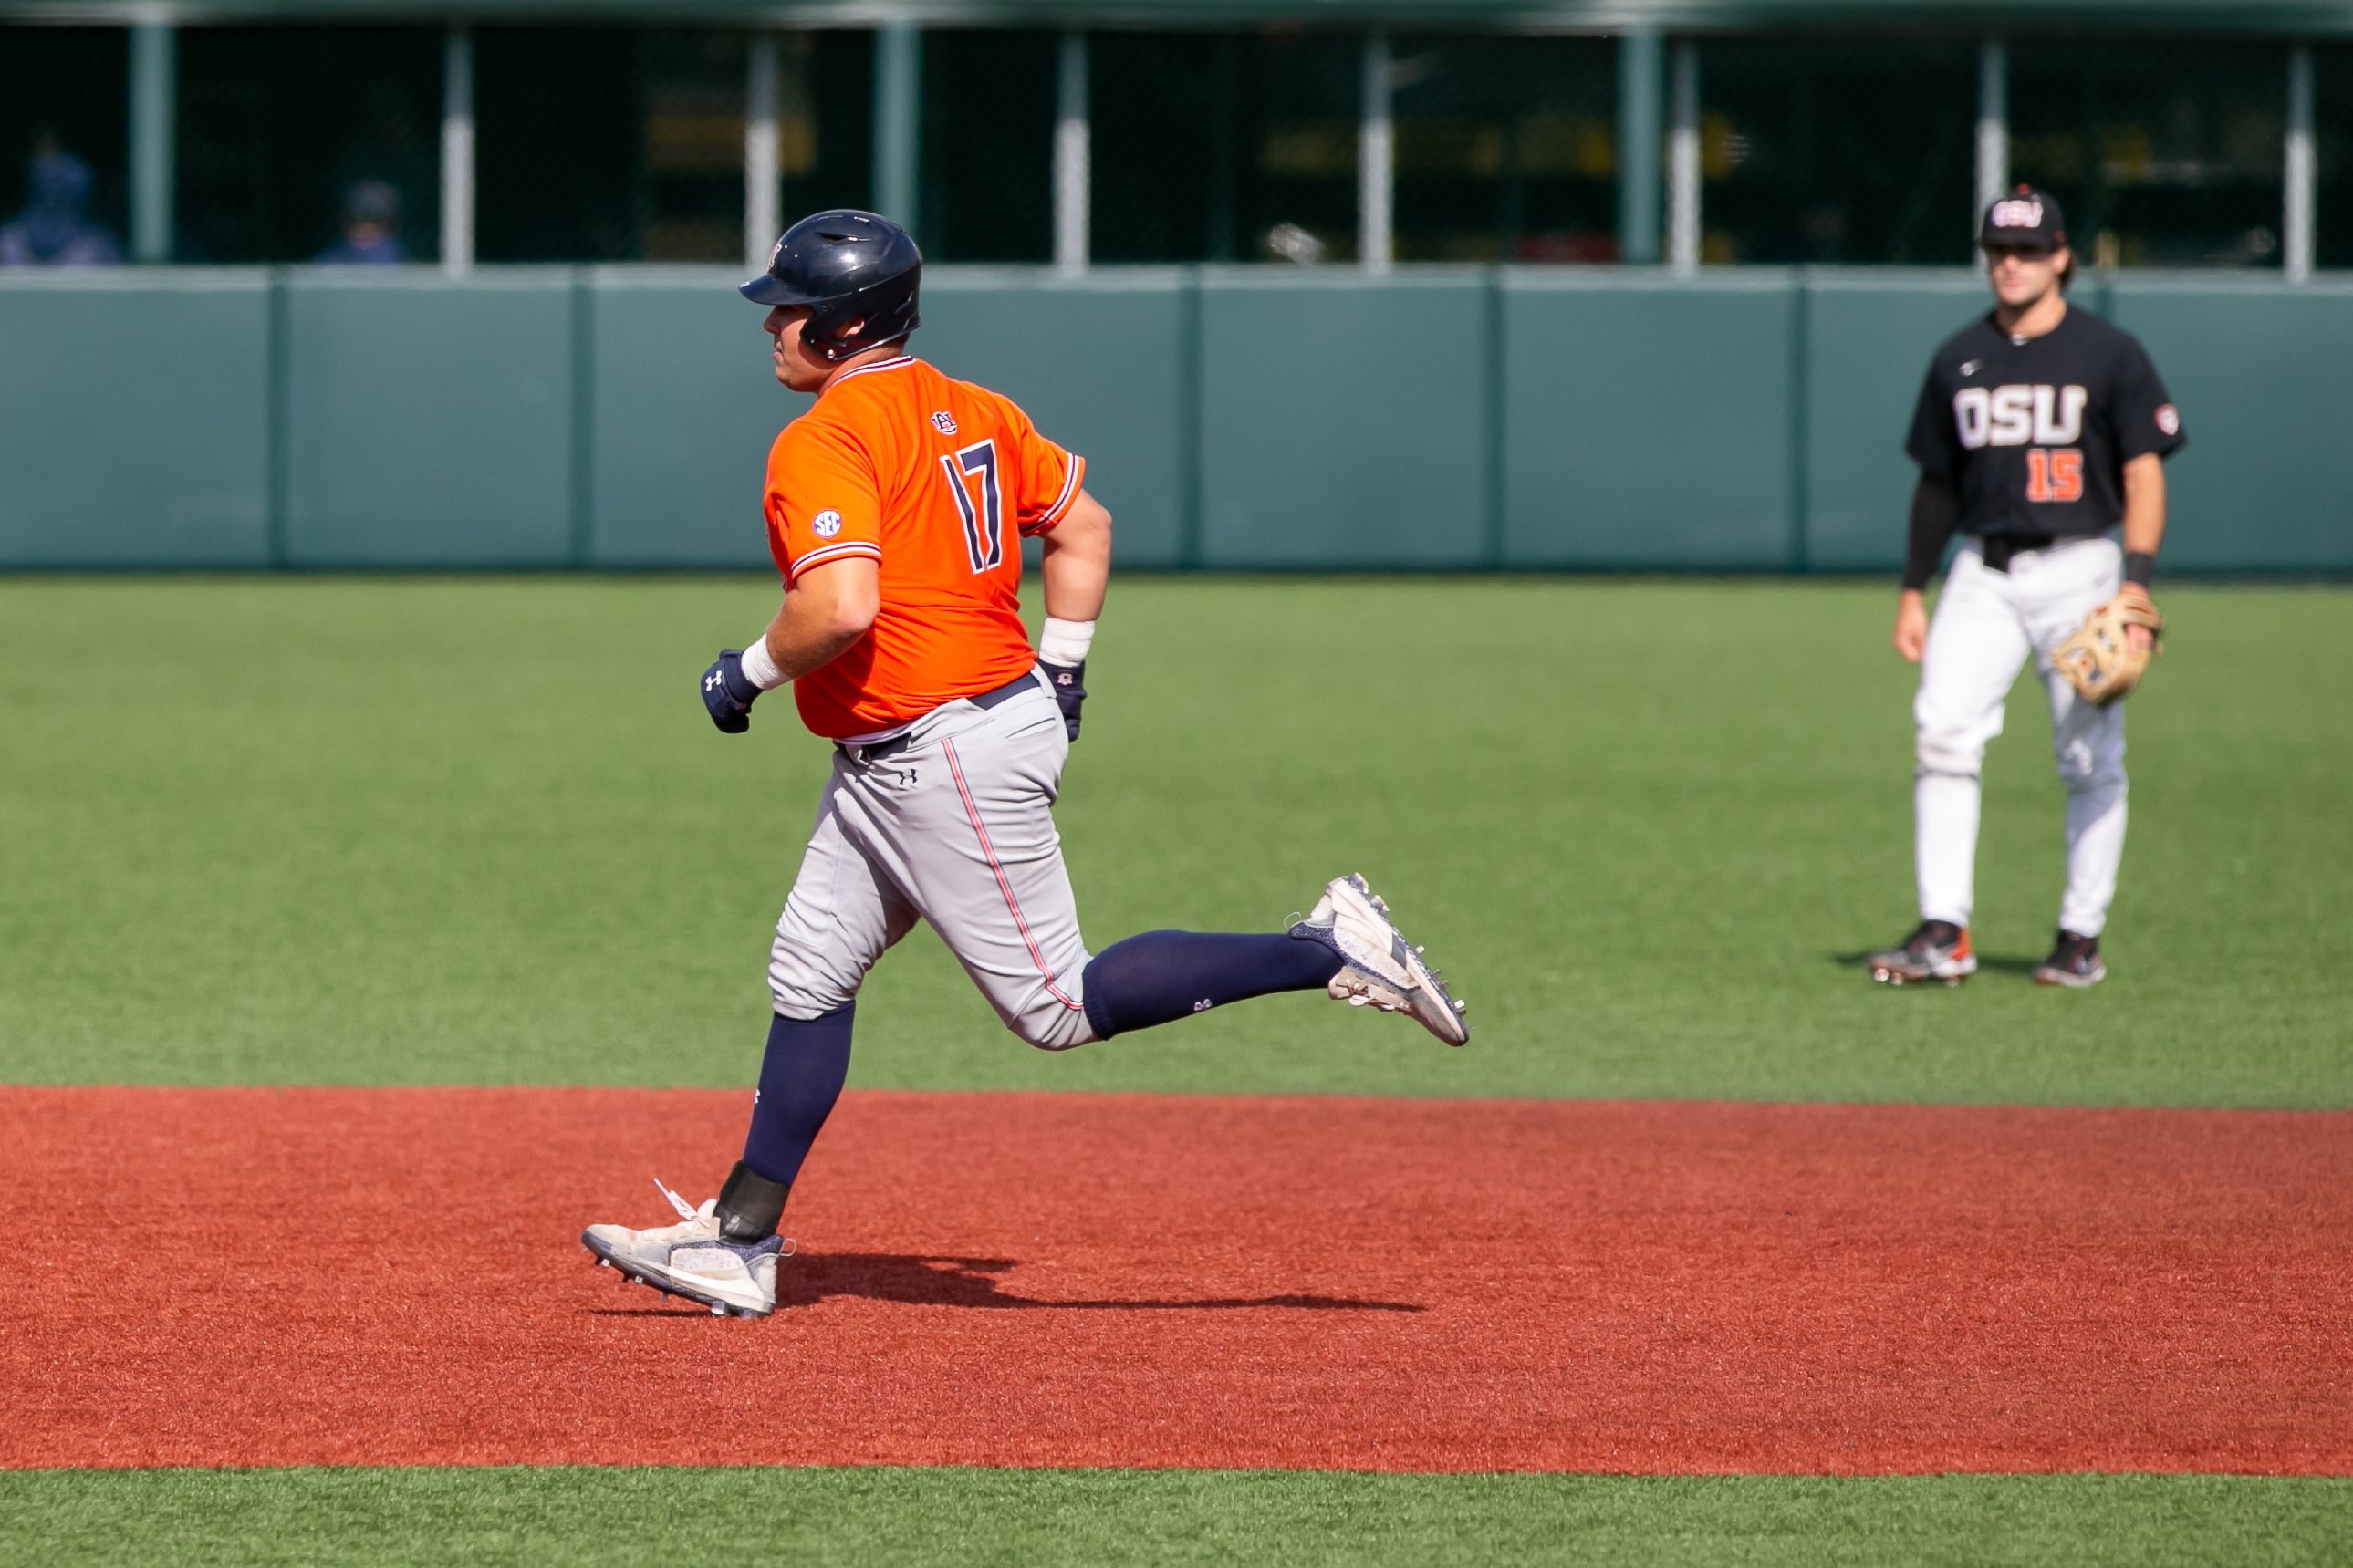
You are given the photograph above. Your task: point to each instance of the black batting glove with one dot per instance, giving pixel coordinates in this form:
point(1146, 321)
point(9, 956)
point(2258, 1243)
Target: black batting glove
point(729, 693)
point(1070, 691)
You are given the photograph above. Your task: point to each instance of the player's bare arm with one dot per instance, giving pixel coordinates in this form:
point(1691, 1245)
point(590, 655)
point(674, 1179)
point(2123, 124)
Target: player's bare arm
point(827, 611)
point(1076, 565)
point(2144, 527)
point(1077, 562)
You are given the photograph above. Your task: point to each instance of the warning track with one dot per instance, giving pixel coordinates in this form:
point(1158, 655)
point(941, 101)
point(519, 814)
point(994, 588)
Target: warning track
point(255, 1277)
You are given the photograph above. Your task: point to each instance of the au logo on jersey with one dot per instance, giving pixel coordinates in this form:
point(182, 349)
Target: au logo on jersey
point(2169, 419)
point(826, 524)
point(942, 423)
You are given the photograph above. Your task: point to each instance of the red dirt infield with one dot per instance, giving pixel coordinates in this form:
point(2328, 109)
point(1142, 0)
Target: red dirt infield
point(258, 1277)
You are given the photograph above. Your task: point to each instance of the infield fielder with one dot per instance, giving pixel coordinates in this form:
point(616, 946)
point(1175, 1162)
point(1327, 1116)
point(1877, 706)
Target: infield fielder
point(2039, 428)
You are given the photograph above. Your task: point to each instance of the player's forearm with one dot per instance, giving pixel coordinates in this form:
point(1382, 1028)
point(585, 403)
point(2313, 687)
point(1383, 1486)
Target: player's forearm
point(823, 616)
point(1077, 562)
point(2144, 504)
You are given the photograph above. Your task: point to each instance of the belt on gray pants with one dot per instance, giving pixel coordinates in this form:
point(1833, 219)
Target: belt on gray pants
point(898, 743)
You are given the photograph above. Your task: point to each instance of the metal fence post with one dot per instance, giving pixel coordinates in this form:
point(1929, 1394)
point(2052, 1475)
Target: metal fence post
point(2296, 221)
point(583, 475)
point(1375, 173)
point(457, 153)
point(1190, 458)
point(1993, 128)
point(154, 117)
point(761, 196)
point(1683, 164)
point(898, 121)
point(1638, 132)
point(1071, 174)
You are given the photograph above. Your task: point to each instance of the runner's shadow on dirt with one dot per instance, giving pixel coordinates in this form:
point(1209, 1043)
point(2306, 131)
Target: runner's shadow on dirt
point(921, 1280)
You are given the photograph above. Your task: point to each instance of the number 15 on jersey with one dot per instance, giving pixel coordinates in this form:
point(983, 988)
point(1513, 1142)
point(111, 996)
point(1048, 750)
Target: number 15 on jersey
point(2055, 475)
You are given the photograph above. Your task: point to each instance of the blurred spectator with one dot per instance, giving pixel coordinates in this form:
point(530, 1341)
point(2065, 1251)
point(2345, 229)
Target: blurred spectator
point(371, 226)
point(55, 228)
point(386, 146)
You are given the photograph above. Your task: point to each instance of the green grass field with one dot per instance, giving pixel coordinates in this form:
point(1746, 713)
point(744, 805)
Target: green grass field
point(413, 831)
point(480, 832)
point(951, 1518)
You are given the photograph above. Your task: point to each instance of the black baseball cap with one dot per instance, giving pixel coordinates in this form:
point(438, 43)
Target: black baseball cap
point(2026, 218)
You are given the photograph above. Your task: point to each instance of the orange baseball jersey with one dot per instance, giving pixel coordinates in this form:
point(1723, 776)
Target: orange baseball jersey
point(937, 480)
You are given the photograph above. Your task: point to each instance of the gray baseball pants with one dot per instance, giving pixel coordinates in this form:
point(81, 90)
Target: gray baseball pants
point(957, 828)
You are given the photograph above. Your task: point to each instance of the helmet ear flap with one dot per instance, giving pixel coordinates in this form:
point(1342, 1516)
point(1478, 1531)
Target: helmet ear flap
point(880, 313)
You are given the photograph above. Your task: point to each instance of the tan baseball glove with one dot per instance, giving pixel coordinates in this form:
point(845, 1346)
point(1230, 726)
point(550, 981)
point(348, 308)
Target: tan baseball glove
point(2100, 661)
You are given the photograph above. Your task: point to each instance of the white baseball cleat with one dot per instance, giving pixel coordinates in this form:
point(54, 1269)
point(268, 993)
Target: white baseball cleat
point(1378, 968)
point(1937, 950)
point(691, 1260)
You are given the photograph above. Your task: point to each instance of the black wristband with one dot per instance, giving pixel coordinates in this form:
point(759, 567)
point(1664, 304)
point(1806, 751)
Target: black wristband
point(2140, 566)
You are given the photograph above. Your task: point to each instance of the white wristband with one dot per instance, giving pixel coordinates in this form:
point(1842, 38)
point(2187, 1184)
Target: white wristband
point(1065, 642)
point(759, 669)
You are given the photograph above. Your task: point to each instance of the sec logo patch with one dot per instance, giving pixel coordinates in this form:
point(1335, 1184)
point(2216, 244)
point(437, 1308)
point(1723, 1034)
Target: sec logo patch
point(826, 524)
point(945, 426)
point(2169, 419)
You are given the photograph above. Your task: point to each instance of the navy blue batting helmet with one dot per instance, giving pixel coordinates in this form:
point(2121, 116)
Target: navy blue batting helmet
point(853, 270)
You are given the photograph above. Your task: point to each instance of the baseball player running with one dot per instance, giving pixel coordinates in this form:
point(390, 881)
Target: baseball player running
point(2040, 429)
point(896, 508)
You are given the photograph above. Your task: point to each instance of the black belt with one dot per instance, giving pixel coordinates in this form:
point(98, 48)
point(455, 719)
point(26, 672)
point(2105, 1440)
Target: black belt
point(898, 743)
point(1995, 549)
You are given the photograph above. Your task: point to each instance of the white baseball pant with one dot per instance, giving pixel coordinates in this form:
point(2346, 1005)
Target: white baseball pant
point(1987, 624)
point(956, 829)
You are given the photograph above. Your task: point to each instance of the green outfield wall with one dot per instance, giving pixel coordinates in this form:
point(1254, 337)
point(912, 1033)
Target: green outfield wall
point(1235, 418)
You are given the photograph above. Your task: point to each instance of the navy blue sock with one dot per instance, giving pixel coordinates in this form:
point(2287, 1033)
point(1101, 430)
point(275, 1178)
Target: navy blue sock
point(1167, 974)
point(800, 1078)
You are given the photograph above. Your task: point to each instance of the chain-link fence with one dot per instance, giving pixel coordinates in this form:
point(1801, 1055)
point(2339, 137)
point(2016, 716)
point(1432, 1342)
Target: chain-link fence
point(1224, 147)
point(627, 143)
point(987, 159)
point(2332, 93)
point(64, 96)
point(2165, 153)
point(1837, 150)
point(302, 144)
point(1507, 149)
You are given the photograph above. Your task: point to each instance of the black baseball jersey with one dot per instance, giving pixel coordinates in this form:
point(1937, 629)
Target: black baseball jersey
point(2033, 434)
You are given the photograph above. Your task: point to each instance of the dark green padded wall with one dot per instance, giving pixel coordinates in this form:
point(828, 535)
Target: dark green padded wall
point(429, 423)
point(1646, 423)
point(1236, 417)
point(1341, 422)
point(134, 413)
